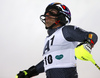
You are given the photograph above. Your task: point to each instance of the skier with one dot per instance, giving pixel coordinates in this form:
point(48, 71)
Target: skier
point(59, 51)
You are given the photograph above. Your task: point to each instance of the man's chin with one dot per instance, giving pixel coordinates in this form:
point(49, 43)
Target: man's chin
point(46, 26)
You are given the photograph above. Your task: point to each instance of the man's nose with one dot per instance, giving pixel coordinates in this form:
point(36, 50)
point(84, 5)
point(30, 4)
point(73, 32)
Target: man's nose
point(47, 13)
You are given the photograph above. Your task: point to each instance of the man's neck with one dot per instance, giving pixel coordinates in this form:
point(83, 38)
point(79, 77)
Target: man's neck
point(56, 26)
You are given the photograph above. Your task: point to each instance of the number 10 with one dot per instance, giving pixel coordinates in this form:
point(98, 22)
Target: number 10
point(48, 59)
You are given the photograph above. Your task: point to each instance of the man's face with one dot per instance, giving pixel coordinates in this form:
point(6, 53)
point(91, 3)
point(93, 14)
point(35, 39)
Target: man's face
point(49, 19)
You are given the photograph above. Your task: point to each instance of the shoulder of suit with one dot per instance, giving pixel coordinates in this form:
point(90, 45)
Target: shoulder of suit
point(69, 27)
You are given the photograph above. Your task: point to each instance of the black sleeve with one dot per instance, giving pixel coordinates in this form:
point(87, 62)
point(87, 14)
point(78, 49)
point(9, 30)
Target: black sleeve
point(35, 70)
point(73, 33)
point(40, 67)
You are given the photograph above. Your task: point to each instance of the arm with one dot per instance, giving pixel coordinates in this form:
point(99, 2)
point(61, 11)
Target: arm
point(87, 39)
point(72, 33)
point(32, 71)
point(40, 67)
point(35, 70)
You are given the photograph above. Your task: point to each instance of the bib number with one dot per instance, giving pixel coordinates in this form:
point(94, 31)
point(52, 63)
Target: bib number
point(48, 59)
